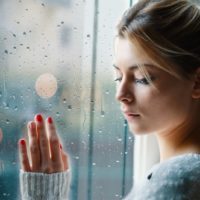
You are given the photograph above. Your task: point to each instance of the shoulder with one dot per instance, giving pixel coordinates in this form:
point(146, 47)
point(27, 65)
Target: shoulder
point(176, 178)
point(181, 167)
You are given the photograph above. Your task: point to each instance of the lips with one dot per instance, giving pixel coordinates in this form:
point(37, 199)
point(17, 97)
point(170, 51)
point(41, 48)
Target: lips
point(130, 115)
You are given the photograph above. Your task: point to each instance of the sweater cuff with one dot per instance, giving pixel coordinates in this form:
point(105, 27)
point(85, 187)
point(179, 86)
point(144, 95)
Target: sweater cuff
point(44, 186)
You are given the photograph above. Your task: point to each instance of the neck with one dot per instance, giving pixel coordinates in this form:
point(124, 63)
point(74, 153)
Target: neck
point(181, 140)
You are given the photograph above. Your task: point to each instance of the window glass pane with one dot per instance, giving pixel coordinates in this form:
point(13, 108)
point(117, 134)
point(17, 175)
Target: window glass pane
point(56, 59)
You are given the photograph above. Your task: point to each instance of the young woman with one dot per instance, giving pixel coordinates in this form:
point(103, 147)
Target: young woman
point(157, 63)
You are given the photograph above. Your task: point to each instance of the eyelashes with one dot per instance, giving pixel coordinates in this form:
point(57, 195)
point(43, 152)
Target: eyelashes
point(142, 81)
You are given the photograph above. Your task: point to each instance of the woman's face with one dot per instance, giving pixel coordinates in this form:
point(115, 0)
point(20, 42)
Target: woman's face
point(146, 108)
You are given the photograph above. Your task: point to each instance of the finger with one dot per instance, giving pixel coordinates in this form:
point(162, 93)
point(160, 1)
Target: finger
point(54, 141)
point(34, 147)
point(43, 142)
point(1, 135)
point(65, 160)
point(24, 161)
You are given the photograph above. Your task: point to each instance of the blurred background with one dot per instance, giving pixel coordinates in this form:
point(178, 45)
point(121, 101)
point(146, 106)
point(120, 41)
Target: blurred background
point(56, 59)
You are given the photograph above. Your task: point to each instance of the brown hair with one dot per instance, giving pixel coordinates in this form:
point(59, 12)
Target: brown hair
point(167, 31)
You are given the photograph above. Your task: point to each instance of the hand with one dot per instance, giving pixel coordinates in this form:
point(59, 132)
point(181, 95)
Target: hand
point(46, 153)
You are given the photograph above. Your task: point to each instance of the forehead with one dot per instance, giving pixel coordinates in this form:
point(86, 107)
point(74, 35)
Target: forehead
point(126, 53)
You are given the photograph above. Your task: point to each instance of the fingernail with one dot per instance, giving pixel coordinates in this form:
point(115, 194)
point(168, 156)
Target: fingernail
point(39, 118)
point(60, 146)
point(50, 120)
point(22, 142)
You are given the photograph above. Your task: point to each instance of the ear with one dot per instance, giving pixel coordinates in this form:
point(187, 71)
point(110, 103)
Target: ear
point(196, 87)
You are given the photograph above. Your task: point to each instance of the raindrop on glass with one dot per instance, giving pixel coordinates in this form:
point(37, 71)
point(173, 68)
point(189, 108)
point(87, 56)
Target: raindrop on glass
point(64, 100)
point(119, 139)
point(76, 157)
point(102, 113)
point(69, 107)
point(57, 114)
point(107, 92)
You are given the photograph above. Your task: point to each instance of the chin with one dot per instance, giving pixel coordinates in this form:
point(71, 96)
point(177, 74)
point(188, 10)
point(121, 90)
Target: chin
point(137, 130)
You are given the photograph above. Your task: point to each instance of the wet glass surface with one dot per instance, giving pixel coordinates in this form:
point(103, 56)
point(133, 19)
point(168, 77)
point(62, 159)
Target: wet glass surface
point(56, 59)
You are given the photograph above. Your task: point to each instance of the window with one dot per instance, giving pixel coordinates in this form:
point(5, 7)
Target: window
point(56, 59)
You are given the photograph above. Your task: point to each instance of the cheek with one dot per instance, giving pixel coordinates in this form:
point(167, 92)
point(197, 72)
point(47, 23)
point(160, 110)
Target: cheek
point(169, 108)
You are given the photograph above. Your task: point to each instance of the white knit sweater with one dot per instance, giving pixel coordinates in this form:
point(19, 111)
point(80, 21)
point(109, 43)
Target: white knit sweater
point(175, 179)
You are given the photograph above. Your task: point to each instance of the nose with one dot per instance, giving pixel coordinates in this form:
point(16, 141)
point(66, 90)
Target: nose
point(125, 93)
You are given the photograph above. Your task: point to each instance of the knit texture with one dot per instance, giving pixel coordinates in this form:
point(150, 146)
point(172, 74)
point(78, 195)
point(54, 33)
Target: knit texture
point(40, 186)
point(177, 178)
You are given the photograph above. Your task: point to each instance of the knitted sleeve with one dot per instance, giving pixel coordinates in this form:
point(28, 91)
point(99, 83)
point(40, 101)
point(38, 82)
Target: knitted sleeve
point(40, 186)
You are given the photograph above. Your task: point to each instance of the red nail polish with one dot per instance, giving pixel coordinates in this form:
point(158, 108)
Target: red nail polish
point(39, 118)
point(60, 146)
point(50, 120)
point(22, 142)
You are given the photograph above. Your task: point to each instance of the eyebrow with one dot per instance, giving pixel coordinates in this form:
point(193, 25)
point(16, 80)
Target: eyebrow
point(134, 66)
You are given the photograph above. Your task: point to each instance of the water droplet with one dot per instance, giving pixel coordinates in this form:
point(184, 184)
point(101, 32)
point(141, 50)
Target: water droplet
point(64, 100)
point(117, 161)
point(57, 114)
point(93, 164)
point(125, 124)
point(88, 35)
point(62, 22)
point(102, 113)
point(6, 51)
point(107, 92)
point(109, 166)
point(119, 139)
point(24, 33)
point(76, 157)
point(69, 107)
point(100, 131)
point(14, 35)
point(7, 121)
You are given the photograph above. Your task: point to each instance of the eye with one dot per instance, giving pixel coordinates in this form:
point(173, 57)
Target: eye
point(118, 79)
point(143, 81)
